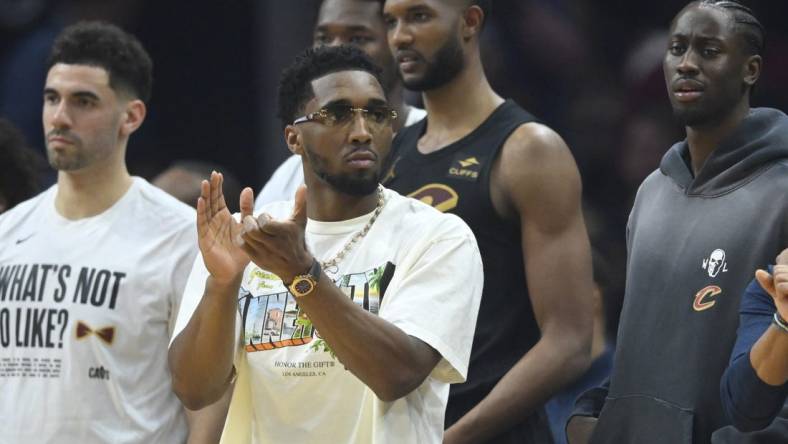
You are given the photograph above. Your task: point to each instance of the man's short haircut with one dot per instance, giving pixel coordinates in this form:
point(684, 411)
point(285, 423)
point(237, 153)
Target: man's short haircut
point(106, 46)
point(745, 22)
point(295, 84)
point(380, 2)
point(19, 166)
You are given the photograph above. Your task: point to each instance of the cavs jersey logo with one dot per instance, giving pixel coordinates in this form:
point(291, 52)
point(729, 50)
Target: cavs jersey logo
point(437, 195)
point(715, 263)
point(466, 168)
point(704, 299)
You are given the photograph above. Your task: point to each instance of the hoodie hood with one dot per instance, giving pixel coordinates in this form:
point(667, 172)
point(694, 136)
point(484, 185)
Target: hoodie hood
point(759, 141)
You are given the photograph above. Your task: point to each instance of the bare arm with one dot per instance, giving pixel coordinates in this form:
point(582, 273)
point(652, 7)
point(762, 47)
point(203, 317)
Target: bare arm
point(206, 424)
point(201, 356)
point(379, 353)
point(541, 187)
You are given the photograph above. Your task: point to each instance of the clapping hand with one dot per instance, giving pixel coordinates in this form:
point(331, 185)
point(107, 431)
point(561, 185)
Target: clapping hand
point(776, 284)
point(219, 234)
point(278, 245)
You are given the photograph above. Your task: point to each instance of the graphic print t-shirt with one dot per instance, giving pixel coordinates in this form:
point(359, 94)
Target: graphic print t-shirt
point(86, 308)
point(416, 268)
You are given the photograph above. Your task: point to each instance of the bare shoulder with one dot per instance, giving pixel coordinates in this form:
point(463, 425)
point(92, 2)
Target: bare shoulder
point(536, 171)
point(532, 143)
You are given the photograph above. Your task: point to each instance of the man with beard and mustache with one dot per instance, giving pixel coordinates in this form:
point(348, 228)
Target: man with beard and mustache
point(515, 183)
point(92, 269)
point(341, 310)
point(357, 23)
point(716, 197)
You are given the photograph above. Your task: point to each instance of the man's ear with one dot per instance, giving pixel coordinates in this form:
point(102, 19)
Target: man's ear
point(472, 20)
point(133, 116)
point(294, 140)
point(752, 70)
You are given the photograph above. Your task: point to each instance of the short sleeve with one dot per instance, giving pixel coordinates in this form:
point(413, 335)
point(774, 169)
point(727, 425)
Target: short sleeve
point(184, 252)
point(436, 299)
point(192, 294)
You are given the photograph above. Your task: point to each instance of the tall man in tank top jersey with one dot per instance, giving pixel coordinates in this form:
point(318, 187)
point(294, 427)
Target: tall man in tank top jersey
point(515, 183)
point(356, 23)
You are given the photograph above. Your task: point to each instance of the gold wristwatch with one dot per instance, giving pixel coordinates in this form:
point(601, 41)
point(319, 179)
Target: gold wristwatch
point(304, 284)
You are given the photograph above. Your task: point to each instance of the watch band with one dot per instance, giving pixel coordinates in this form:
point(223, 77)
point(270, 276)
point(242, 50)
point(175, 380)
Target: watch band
point(780, 322)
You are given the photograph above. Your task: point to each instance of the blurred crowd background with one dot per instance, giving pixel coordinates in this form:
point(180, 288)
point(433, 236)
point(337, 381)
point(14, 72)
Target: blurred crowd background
point(591, 69)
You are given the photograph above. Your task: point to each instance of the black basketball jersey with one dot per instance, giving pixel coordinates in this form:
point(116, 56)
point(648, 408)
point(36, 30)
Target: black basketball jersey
point(456, 179)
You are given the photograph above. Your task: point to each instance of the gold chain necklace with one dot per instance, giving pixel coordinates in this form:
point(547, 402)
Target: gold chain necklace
point(331, 264)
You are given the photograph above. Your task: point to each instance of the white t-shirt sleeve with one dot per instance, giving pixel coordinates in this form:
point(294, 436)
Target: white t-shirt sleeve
point(184, 251)
point(415, 115)
point(437, 301)
point(192, 294)
point(283, 183)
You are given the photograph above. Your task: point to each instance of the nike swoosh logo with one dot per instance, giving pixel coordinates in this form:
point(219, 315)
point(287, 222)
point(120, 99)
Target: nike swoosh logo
point(24, 239)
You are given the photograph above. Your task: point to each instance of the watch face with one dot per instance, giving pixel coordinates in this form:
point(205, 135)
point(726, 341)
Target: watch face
point(303, 286)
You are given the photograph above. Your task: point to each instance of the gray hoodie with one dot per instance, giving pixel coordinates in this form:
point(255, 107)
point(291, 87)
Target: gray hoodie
point(693, 246)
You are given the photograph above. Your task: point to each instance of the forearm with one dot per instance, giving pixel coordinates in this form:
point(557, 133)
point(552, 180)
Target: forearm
point(563, 308)
point(380, 354)
point(201, 357)
point(206, 424)
point(769, 356)
point(551, 364)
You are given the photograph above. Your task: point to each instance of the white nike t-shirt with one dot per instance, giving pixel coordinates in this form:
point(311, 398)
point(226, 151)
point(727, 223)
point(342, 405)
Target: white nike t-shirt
point(417, 268)
point(86, 308)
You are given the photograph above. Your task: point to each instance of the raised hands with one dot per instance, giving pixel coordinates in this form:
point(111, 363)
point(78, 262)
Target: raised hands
point(218, 232)
point(278, 245)
point(776, 284)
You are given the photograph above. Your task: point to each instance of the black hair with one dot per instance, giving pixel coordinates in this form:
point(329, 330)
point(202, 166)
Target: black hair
point(19, 166)
point(295, 84)
point(381, 2)
point(746, 24)
point(106, 46)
